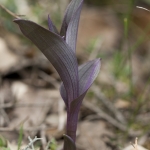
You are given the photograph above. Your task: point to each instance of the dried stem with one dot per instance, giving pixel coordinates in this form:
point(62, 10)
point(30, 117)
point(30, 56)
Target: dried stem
point(9, 12)
point(15, 105)
point(108, 104)
point(105, 116)
point(32, 141)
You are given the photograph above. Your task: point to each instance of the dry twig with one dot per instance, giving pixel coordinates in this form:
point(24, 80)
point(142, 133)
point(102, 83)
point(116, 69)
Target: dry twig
point(49, 79)
point(43, 136)
point(108, 104)
point(14, 105)
point(3, 115)
point(105, 116)
point(32, 141)
point(9, 12)
point(29, 129)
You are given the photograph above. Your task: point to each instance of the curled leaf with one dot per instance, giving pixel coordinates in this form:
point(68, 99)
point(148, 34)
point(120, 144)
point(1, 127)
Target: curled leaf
point(72, 116)
point(87, 74)
point(71, 9)
point(68, 143)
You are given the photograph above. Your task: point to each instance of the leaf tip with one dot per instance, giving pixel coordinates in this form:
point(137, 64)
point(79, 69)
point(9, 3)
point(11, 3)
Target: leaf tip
point(69, 143)
point(98, 61)
point(16, 20)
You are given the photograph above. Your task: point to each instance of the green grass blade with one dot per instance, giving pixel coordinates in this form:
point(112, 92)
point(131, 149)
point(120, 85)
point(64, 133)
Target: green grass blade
point(20, 137)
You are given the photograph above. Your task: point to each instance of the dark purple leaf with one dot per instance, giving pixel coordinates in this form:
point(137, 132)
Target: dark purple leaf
point(71, 9)
point(72, 116)
point(68, 143)
point(63, 94)
point(57, 52)
point(51, 26)
point(87, 74)
point(72, 30)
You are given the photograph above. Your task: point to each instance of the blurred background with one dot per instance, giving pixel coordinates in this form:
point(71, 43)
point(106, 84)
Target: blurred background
point(116, 109)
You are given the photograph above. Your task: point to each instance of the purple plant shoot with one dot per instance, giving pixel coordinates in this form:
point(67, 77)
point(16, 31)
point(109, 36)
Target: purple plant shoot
point(59, 48)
